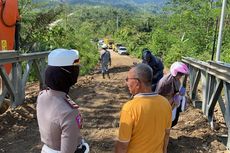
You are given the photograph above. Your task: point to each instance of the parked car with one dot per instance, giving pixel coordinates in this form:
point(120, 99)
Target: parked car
point(122, 51)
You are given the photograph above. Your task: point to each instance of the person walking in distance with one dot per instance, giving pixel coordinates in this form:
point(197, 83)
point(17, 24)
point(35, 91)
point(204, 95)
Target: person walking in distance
point(145, 121)
point(59, 119)
point(105, 60)
point(170, 87)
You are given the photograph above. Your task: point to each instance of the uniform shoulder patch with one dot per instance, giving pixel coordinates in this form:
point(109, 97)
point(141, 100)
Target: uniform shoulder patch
point(71, 103)
point(79, 120)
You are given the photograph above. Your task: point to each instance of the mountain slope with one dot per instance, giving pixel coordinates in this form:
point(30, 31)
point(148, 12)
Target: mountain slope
point(115, 2)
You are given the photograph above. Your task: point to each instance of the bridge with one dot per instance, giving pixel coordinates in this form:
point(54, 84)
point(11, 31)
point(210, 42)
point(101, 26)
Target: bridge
point(14, 84)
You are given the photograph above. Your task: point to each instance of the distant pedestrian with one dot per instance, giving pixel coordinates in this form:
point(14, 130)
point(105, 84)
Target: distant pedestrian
point(145, 121)
point(105, 60)
point(156, 64)
point(170, 87)
point(59, 119)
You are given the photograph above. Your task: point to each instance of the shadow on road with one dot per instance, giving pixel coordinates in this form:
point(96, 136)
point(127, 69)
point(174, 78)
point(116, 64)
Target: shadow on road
point(114, 69)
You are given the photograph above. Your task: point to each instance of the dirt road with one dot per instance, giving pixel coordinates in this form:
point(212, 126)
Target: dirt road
point(100, 101)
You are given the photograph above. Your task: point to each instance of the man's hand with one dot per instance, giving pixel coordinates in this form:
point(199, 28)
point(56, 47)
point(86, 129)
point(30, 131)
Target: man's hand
point(121, 147)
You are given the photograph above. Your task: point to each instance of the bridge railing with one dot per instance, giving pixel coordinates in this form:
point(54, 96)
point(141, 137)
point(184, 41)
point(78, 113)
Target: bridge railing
point(13, 85)
point(214, 80)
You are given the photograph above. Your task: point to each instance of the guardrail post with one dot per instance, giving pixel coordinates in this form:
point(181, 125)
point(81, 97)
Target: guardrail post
point(204, 78)
point(17, 83)
point(227, 110)
point(39, 68)
point(209, 91)
point(195, 78)
point(7, 82)
point(213, 101)
point(191, 78)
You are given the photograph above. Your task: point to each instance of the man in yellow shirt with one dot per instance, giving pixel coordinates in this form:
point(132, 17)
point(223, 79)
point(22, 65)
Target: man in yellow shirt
point(145, 120)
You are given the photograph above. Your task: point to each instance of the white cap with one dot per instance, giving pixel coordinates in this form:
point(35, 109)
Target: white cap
point(63, 57)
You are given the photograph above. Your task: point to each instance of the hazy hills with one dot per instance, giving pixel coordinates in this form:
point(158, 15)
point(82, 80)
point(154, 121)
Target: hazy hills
point(147, 5)
point(115, 2)
point(110, 2)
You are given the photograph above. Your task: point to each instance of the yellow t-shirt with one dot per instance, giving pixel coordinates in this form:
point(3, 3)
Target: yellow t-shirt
point(143, 122)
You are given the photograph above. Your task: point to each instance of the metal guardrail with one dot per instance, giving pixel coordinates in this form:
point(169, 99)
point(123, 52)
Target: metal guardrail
point(15, 83)
point(214, 79)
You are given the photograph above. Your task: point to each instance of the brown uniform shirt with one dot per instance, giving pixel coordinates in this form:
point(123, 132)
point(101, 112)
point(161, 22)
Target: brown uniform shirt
point(58, 121)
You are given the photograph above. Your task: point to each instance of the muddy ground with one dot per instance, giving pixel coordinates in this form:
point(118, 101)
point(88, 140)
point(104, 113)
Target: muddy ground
point(100, 101)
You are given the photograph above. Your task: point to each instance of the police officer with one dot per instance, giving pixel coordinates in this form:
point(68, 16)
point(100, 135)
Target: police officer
point(58, 117)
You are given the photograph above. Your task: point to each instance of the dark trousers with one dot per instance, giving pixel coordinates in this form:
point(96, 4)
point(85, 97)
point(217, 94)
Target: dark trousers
point(174, 122)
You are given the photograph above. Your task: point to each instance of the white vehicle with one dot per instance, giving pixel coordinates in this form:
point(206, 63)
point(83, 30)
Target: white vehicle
point(122, 51)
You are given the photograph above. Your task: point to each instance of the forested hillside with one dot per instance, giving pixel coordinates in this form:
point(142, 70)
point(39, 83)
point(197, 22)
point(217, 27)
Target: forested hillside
point(153, 6)
point(184, 28)
point(158, 2)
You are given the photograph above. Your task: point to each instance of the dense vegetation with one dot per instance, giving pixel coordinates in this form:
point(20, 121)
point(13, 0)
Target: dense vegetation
point(183, 28)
